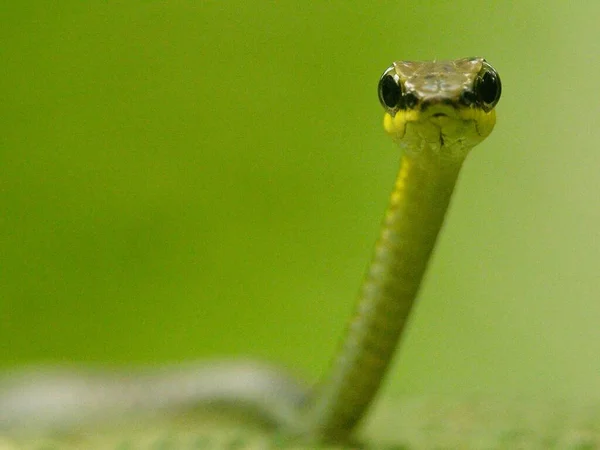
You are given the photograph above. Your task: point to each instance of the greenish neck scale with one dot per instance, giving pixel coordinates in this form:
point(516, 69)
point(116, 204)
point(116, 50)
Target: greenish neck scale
point(410, 227)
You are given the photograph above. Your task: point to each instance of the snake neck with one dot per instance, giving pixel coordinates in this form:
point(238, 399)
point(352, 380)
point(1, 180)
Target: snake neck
point(410, 227)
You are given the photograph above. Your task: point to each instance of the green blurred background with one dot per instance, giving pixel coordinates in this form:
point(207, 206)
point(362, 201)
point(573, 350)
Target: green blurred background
point(187, 180)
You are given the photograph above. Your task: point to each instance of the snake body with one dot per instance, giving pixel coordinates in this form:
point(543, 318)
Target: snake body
point(436, 111)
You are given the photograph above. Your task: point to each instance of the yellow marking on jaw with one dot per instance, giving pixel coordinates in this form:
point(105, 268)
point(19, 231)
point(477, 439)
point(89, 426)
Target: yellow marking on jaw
point(396, 125)
point(484, 122)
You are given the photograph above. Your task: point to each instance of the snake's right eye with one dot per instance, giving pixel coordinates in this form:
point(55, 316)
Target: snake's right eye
point(488, 86)
point(389, 89)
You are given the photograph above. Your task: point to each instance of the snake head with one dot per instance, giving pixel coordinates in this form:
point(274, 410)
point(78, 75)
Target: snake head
point(440, 103)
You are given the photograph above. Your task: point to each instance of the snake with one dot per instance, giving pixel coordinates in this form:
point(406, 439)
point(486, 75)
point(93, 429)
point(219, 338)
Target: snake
point(436, 112)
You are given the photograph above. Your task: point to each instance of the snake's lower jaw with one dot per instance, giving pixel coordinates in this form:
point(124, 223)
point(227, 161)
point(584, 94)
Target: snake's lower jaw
point(486, 124)
point(484, 121)
point(440, 119)
point(413, 130)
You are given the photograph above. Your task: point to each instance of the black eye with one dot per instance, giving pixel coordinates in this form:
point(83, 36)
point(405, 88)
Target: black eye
point(390, 92)
point(488, 87)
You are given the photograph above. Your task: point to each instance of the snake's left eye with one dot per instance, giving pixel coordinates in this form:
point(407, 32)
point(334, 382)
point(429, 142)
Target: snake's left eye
point(390, 91)
point(488, 87)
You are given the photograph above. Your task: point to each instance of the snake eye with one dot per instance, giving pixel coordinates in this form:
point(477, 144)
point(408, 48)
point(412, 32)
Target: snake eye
point(389, 89)
point(488, 87)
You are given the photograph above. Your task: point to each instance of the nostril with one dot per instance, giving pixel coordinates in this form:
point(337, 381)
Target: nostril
point(440, 115)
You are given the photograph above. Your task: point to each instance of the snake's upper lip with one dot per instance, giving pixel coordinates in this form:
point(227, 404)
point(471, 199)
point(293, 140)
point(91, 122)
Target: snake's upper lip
point(438, 111)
